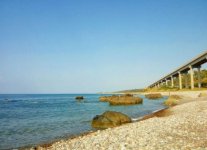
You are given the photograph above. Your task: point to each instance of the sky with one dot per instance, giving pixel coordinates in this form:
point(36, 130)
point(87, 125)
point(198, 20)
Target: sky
point(79, 46)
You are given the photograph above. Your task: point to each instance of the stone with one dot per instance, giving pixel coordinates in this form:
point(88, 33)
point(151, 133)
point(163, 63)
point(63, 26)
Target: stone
point(110, 119)
point(79, 97)
point(154, 96)
point(104, 98)
point(127, 99)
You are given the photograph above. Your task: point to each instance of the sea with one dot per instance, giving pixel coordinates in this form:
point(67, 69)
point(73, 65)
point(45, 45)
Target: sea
point(31, 119)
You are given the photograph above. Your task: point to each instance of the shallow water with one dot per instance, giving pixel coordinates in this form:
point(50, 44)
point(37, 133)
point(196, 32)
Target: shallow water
point(36, 118)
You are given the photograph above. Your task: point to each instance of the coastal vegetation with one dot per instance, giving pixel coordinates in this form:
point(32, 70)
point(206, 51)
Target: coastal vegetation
point(168, 88)
point(186, 82)
point(131, 91)
point(172, 100)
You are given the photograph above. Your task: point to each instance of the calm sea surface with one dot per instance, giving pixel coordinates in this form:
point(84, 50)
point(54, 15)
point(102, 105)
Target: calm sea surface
point(37, 118)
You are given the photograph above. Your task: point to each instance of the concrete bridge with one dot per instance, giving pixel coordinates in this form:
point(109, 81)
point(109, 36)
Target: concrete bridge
point(183, 70)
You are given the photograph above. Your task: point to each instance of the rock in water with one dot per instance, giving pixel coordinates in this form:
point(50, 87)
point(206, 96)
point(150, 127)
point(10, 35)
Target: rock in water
point(126, 99)
point(104, 98)
point(129, 95)
point(110, 119)
point(153, 96)
point(79, 97)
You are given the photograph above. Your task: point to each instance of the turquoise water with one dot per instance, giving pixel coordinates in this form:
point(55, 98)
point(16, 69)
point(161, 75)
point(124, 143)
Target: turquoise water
point(37, 118)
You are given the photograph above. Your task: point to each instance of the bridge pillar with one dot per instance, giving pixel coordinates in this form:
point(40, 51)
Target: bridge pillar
point(172, 82)
point(199, 77)
point(180, 80)
point(191, 77)
point(186, 80)
point(166, 82)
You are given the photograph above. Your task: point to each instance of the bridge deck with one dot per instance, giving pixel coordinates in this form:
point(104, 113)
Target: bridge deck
point(194, 63)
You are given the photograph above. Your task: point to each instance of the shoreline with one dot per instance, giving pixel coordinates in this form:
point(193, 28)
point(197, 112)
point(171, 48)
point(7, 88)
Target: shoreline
point(135, 113)
point(166, 113)
point(71, 137)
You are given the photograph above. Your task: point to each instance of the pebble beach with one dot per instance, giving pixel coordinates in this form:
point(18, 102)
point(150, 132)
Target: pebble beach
point(181, 127)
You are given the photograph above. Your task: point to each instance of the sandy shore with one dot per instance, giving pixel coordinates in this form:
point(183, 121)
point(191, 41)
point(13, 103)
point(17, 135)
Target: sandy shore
point(181, 127)
point(185, 94)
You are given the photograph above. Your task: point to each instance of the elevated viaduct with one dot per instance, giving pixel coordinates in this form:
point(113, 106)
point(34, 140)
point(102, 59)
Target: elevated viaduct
point(195, 63)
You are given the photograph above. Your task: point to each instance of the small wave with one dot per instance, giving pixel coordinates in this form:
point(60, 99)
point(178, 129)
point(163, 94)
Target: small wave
point(35, 102)
point(158, 110)
point(136, 119)
point(10, 101)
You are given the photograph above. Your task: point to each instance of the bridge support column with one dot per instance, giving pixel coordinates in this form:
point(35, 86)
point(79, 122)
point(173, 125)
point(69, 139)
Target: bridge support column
point(186, 80)
point(199, 77)
point(166, 82)
point(172, 82)
point(191, 77)
point(180, 80)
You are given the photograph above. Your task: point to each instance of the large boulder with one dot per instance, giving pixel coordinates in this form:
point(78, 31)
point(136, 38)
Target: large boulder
point(104, 98)
point(110, 119)
point(125, 100)
point(79, 97)
point(154, 96)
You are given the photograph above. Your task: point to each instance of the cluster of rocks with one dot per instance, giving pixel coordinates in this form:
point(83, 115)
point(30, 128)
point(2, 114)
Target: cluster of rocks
point(127, 99)
point(184, 129)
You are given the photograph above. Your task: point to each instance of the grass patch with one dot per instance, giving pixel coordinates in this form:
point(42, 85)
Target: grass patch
point(172, 100)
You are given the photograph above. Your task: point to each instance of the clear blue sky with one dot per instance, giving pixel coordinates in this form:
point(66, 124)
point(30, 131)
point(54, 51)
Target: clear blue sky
point(59, 46)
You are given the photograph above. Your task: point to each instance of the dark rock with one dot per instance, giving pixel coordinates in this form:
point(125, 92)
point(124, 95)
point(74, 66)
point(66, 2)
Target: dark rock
point(110, 119)
point(129, 95)
point(79, 97)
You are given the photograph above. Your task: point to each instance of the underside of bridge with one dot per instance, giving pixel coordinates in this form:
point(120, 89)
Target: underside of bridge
point(182, 73)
